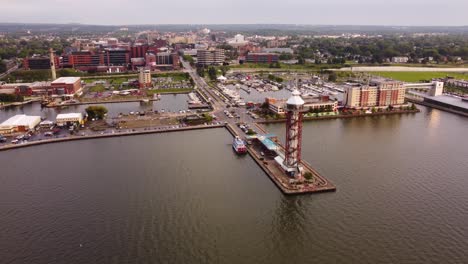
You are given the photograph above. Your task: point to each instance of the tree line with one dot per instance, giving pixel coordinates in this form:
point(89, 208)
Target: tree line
point(377, 49)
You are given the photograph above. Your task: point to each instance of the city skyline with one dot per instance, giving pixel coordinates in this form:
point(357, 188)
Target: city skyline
point(333, 12)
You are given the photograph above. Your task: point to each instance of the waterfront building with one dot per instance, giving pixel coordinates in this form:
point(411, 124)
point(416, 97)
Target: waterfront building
point(66, 85)
point(377, 93)
point(144, 78)
point(277, 107)
point(210, 57)
point(19, 123)
point(69, 119)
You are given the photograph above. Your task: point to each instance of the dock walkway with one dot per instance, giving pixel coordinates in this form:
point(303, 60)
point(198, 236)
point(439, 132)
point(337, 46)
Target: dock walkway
point(279, 177)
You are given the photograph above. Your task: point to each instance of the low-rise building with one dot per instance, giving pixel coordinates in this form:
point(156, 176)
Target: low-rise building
point(278, 106)
point(321, 104)
point(278, 50)
point(69, 119)
point(19, 123)
point(400, 59)
point(262, 57)
point(66, 85)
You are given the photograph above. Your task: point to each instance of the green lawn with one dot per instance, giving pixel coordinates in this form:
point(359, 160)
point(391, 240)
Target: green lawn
point(169, 90)
point(97, 89)
point(419, 76)
point(176, 76)
point(307, 66)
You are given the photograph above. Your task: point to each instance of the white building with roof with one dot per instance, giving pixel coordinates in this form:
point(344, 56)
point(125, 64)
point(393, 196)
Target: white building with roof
point(19, 123)
point(64, 119)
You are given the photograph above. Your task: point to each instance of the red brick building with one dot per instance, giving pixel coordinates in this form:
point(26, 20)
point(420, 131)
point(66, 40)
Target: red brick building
point(66, 85)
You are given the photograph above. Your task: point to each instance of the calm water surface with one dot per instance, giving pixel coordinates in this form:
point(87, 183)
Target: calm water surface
point(168, 102)
point(186, 198)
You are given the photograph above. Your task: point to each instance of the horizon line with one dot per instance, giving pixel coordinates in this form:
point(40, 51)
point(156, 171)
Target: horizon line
point(225, 24)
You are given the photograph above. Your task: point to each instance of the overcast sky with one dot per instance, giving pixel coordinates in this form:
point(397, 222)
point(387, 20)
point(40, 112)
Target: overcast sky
point(337, 12)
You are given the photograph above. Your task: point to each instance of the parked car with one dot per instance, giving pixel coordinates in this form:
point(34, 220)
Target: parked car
point(2, 139)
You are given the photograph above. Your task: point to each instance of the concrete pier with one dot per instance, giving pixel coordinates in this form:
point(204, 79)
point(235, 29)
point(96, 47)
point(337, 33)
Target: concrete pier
point(287, 185)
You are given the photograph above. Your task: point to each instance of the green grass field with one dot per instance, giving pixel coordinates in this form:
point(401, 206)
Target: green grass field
point(97, 89)
point(169, 90)
point(284, 66)
point(419, 76)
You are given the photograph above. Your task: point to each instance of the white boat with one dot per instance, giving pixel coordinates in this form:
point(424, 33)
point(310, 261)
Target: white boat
point(239, 146)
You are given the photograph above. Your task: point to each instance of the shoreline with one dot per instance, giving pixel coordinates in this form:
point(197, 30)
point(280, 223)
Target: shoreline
point(14, 104)
point(446, 109)
point(119, 134)
point(282, 120)
point(88, 103)
point(117, 101)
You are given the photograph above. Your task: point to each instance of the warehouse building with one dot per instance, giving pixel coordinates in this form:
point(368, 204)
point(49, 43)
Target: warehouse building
point(66, 85)
point(19, 123)
point(69, 119)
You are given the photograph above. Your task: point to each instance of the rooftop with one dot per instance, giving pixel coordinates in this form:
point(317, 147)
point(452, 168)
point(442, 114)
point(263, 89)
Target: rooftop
point(295, 98)
point(21, 120)
point(449, 100)
point(69, 115)
point(67, 80)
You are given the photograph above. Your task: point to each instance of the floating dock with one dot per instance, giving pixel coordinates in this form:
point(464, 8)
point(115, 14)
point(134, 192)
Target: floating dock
point(275, 172)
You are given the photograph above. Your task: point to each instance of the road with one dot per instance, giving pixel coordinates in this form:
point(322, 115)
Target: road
point(218, 104)
point(9, 71)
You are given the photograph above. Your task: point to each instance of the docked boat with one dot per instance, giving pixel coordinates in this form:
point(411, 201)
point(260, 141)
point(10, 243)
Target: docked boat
point(239, 146)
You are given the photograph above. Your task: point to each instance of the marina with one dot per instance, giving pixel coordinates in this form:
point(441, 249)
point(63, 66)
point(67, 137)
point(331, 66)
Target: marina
point(168, 103)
